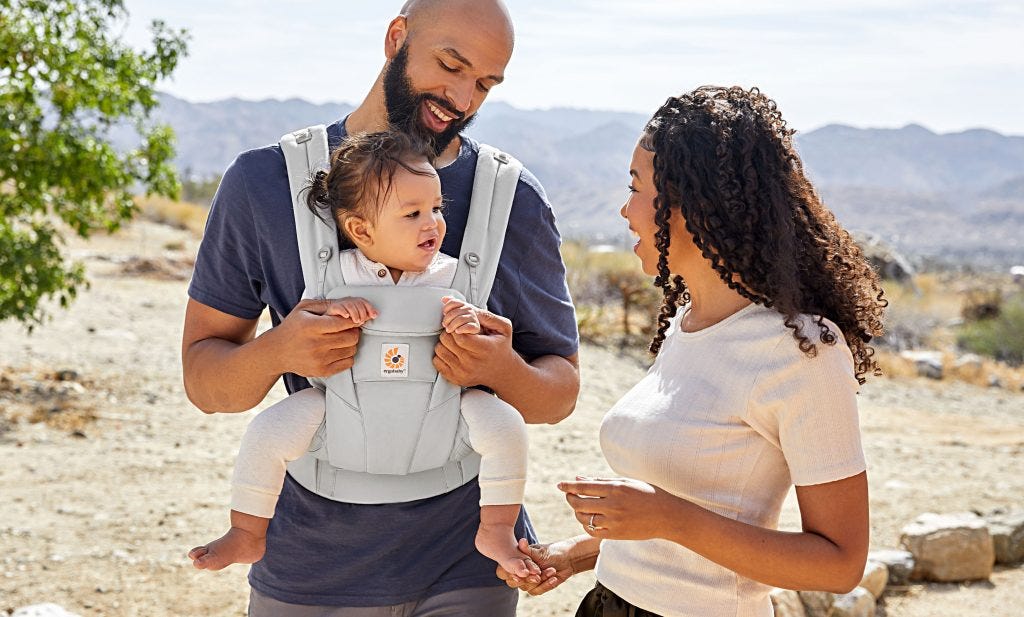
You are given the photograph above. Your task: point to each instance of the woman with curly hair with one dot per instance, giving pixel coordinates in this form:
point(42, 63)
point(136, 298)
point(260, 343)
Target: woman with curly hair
point(762, 342)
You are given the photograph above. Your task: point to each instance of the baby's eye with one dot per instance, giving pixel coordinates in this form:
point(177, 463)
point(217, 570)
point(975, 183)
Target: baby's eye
point(437, 209)
point(412, 214)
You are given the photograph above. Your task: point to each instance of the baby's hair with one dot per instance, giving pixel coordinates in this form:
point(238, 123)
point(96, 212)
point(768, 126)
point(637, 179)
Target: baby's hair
point(361, 174)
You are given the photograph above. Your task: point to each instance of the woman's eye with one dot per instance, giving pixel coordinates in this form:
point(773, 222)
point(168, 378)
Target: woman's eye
point(630, 188)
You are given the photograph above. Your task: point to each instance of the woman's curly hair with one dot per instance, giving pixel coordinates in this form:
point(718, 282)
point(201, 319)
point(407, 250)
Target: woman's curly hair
point(724, 160)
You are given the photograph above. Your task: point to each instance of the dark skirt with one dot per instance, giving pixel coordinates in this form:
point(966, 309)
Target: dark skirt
point(602, 602)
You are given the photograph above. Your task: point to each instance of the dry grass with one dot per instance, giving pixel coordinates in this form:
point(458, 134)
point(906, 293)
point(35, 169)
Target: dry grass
point(178, 214)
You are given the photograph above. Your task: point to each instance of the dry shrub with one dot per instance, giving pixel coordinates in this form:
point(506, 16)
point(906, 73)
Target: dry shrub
point(615, 301)
point(178, 214)
point(895, 366)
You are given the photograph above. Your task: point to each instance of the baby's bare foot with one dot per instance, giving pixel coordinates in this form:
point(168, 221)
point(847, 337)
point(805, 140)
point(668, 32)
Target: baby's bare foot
point(498, 542)
point(236, 546)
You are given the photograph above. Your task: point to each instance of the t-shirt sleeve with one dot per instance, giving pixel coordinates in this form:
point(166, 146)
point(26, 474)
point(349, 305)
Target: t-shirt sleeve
point(544, 320)
point(227, 274)
point(807, 407)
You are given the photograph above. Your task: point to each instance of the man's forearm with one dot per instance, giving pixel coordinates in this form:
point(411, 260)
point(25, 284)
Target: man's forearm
point(225, 377)
point(544, 390)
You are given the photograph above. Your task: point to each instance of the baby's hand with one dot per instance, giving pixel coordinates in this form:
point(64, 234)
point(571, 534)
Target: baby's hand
point(459, 317)
point(359, 310)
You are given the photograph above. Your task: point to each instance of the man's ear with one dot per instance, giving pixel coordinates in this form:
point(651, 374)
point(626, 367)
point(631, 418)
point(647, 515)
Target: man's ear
point(358, 229)
point(398, 31)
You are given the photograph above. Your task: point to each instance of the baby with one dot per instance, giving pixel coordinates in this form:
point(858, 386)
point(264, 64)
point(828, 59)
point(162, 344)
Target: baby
point(386, 199)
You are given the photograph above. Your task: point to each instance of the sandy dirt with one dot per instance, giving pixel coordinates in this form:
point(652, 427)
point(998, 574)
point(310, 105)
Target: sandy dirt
point(110, 476)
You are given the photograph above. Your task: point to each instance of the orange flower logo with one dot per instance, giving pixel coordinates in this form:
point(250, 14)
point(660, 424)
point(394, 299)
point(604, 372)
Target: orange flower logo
point(393, 359)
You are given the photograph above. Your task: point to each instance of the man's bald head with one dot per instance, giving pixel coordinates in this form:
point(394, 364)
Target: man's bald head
point(491, 15)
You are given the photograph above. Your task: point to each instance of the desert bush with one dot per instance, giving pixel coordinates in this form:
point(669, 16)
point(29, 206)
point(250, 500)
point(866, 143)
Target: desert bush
point(178, 214)
point(615, 301)
point(1000, 337)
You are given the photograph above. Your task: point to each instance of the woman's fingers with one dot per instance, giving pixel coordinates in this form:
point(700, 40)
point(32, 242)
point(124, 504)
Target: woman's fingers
point(590, 488)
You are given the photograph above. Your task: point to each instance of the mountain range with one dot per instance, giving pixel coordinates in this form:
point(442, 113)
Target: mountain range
point(954, 198)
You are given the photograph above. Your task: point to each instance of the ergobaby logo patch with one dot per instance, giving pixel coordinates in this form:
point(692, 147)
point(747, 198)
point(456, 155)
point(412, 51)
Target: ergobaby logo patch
point(394, 360)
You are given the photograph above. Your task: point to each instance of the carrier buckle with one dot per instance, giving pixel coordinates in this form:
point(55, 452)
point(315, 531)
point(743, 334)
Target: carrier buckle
point(303, 136)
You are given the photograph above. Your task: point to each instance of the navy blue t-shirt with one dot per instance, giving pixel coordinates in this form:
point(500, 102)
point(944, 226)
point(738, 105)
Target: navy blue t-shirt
point(325, 552)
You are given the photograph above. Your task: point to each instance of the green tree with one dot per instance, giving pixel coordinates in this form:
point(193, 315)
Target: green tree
point(66, 79)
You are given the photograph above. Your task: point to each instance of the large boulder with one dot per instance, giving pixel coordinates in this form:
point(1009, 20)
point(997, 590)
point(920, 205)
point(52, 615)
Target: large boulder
point(876, 577)
point(927, 363)
point(857, 603)
point(786, 603)
point(817, 603)
point(899, 563)
point(949, 547)
point(1007, 531)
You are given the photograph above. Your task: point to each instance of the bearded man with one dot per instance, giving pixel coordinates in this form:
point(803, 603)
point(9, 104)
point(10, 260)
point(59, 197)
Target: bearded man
point(330, 558)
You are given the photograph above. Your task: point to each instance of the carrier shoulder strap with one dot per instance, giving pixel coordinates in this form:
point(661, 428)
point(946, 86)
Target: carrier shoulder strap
point(494, 189)
point(305, 153)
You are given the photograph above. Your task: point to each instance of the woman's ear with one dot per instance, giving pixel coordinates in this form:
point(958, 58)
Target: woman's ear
point(395, 36)
point(358, 229)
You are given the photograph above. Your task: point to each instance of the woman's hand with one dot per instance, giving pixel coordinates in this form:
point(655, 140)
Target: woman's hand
point(621, 508)
point(558, 561)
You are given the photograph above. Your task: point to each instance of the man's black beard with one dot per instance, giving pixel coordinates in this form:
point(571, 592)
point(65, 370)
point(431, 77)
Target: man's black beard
point(403, 106)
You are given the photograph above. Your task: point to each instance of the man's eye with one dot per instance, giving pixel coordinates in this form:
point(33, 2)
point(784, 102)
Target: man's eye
point(482, 88)
point(450, 69)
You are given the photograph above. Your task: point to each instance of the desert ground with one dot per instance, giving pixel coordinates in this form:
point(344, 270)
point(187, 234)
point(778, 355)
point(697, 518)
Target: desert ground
point(111, 475)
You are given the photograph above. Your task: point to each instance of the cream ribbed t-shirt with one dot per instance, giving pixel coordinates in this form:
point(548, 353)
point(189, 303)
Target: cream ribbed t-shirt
point(729, 418)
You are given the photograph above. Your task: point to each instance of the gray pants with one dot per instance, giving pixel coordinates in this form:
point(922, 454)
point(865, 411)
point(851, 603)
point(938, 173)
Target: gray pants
point(478, 601)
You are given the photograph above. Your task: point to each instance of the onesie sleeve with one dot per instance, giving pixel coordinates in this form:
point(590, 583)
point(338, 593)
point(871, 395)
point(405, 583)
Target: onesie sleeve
point(227, 275)
point(807, 407)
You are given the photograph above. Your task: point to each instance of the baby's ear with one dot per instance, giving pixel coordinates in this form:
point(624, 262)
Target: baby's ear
point(358, 229)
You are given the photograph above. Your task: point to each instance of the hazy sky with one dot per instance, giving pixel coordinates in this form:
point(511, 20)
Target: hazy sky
point(948, 65)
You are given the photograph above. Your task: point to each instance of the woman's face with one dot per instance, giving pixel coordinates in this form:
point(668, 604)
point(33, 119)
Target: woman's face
point(639, 208)
point(639, 211)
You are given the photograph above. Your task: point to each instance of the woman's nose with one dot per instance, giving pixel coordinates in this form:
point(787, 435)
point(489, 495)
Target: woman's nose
point(622, 210)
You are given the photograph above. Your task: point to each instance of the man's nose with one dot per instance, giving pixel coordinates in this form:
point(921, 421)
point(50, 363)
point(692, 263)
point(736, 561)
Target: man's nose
point(460, 95)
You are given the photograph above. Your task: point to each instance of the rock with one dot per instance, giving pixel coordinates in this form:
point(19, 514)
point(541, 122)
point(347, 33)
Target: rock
point(817, 603)
point(786, 603)
point(949, 547)
point(899, 563)
point(968, 361)
point(66, 375)
point(876, 576)
point(994, 381)
point(927, 363)
point(857, 603)
point(42, 610)
point(1007, 531)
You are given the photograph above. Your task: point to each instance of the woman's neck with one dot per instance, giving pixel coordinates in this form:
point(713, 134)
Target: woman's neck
point(711, 300)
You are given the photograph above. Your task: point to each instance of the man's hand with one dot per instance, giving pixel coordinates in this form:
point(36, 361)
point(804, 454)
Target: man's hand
point(555, 563)
point(476, 359)
point(314, 340)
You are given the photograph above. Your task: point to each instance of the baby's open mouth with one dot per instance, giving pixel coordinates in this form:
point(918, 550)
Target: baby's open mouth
point(428, 244)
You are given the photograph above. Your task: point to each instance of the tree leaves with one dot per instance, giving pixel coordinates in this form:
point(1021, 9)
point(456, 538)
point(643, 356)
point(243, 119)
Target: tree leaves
point(65, 79)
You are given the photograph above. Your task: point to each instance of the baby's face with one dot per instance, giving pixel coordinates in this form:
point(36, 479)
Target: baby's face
point(409, 227)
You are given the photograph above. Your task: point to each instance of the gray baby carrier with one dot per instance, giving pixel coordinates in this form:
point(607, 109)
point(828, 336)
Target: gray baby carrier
point(393, 430)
